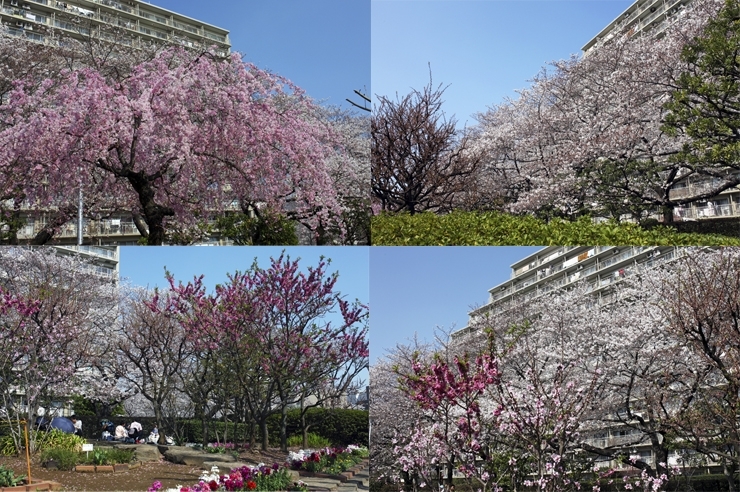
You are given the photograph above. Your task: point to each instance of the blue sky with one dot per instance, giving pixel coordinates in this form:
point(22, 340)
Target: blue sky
point(483, 49)
point(323, 46)
point(415, 289)
point(145, 266)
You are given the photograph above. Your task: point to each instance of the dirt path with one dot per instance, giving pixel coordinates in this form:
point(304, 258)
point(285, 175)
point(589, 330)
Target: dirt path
point(139, 479)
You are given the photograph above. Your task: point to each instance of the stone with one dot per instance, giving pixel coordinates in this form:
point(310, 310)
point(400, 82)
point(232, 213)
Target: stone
point(223, 467)
point(192, 457)
point(200, 458)
point(177, 454)
point(146, 452)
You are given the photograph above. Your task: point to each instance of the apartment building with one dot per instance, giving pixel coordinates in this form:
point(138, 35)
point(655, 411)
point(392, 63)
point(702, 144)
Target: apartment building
point(652, 17)
point(130, 22)
point(556, 267)
point(103, 260)
point(643, 16)
point(139, 23)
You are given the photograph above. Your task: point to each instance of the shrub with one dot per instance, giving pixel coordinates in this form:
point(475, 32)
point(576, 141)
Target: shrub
point(341, 427)
point(66, 459)
point(314, 441)
point(107, 457)
point(44, 440)
point(8, 478)
point(498, 229)
point(119, 456)
point(7, 446)
point(58, 439)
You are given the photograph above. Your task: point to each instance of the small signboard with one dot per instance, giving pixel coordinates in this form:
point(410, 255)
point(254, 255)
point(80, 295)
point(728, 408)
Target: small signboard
point(87, 447)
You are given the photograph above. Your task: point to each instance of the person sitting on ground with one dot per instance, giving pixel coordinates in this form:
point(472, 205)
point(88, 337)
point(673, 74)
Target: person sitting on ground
point(108, 429)
point(134, 430)
point(78, 425)
point(153, 436)
point(121, 433)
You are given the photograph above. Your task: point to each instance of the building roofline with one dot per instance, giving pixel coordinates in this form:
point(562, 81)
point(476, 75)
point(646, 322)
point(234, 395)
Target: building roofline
point(609, 27)
point(177, 14)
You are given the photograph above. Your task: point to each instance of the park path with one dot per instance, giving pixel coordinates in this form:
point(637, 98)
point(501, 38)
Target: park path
point(358, 482)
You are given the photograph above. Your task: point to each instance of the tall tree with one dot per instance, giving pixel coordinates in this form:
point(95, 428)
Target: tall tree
point(419, 158)
point(179, 137)
point(53, 309)
point(705, 106)
point(275, 323)
point(151, 352)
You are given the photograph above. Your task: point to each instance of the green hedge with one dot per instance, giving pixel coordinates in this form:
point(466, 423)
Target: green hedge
point(498, 229)
point(341, 427)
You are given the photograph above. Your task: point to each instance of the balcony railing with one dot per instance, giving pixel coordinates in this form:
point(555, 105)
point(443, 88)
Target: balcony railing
point(91, 229)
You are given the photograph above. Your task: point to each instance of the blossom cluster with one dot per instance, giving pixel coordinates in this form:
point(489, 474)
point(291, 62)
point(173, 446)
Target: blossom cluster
point(220, 447)
point(239, 479)
point(334, 459)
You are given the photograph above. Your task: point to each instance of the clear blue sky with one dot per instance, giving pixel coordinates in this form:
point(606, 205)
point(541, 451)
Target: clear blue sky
point(415, 289)
point(145, 266)
point(323, 46)
point(484, 49)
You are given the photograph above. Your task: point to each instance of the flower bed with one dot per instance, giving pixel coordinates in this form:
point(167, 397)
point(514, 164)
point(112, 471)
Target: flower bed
point(331, 461)
point(220, 447)
point(260, 477)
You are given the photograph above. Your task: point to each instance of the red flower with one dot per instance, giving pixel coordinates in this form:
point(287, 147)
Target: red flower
point(213, 485)
point(251, 485)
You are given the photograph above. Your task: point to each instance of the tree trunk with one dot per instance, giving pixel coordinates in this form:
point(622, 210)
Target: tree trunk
point(204, 429)
point(154, 214)
point(265, 437)
point(667, 214)
point(284, 429)
point(304, 430)
point(729, 471)
point(252, 434)
point(158, 419)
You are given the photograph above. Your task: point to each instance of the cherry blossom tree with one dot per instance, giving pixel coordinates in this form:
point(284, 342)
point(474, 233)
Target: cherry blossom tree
point(54, 309)
point(588, 136)
point(150, 352)
point(349, 167)
point(699, 297)
point(533, 384)
point(401, 446)
point(179, 137)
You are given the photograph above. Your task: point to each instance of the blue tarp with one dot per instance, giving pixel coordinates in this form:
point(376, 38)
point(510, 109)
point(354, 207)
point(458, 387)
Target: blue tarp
point(63, 424)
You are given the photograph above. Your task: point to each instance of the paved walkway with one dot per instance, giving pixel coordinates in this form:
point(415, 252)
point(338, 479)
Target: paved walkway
point(359, 482)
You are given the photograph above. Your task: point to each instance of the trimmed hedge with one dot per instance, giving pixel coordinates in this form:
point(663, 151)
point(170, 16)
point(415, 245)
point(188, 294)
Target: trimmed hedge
point(341, 427)
point(498, 229)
